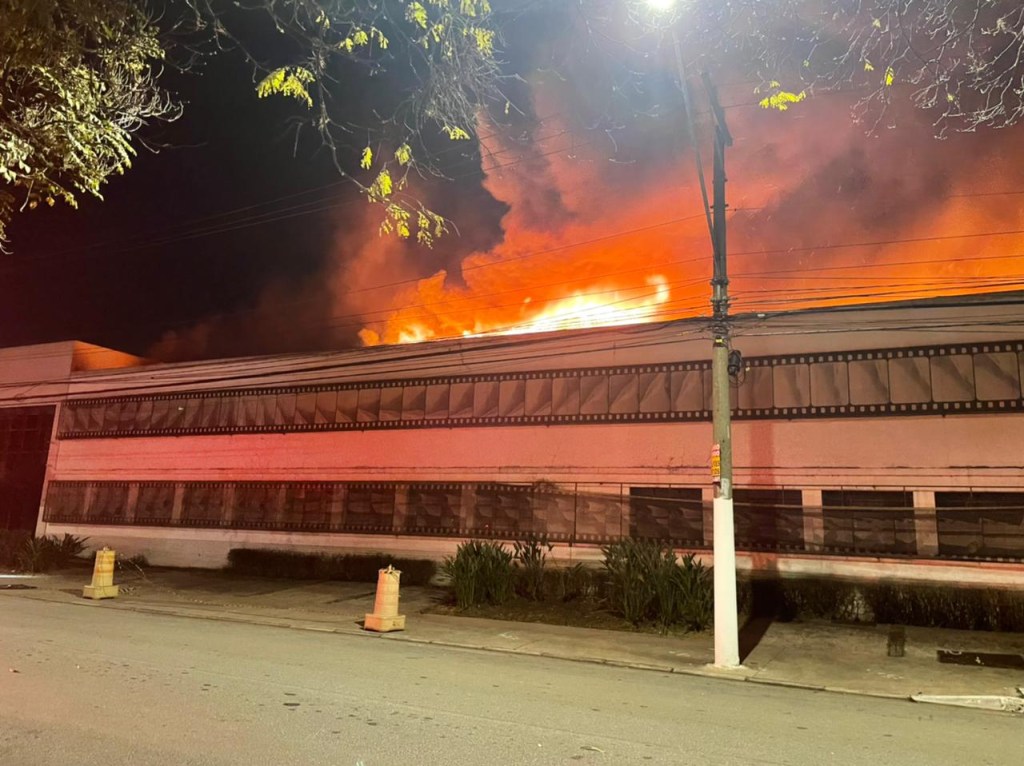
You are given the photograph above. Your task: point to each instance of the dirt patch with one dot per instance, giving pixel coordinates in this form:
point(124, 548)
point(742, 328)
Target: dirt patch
point(574, 614)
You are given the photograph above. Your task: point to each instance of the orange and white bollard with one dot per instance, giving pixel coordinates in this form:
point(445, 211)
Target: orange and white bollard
point(385, 615)
point(102, 576)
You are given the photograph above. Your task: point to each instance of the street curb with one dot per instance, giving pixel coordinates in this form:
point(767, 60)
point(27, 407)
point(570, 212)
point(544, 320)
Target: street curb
point(699, 672)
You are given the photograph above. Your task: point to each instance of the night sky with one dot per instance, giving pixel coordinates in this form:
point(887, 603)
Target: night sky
point(298, 264)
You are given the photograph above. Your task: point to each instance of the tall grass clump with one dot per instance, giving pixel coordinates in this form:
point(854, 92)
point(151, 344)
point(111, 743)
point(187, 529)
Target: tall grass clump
point(647, 583)
point(481, 572)
point(530, 556)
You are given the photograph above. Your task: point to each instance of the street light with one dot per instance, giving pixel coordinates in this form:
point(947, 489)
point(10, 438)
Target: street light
point(724, 555)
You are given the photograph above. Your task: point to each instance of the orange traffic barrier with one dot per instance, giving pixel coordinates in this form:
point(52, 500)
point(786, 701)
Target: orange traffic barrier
point(102, 576)
point(385, 616)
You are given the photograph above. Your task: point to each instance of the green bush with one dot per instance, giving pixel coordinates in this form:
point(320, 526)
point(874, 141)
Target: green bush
point(12, 544)
point(350, 567)
point(946, 607)
point(646, 583)
point(530, 558)
point(901, 603)
point(481, 572)
point(696, 589)
point(574, 583)
point(19, 550)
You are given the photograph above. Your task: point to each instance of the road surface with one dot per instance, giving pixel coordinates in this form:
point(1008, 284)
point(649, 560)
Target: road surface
point(102, 686)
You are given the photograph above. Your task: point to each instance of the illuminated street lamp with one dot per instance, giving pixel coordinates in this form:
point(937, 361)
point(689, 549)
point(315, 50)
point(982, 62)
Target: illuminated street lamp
point(724, 557)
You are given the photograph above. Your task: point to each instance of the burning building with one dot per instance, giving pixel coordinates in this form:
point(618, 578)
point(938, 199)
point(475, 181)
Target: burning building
point(872, 439)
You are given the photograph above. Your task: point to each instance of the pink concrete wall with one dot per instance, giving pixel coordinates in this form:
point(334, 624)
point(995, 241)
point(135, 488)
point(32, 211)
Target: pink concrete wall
point(981, 451)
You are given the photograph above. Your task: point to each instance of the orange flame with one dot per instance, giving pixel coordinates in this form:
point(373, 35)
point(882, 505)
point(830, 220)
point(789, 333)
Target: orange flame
point(813, 222)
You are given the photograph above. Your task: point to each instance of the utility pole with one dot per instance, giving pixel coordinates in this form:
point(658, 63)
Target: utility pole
point(726, 621)
point(727, 644)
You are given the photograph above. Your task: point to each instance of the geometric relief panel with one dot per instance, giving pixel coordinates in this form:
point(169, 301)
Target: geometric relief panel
point(869, 381)
point(414, 401)
point(869, 521)
point(65, 501)
point(687, 390)
point(997, 376)
point(910, 380)
point(769, 519)
point(434, 508)
point(512, 398)
point(308, 505)
point(204, 502)
point(755, 389)
point(437, 401)
point(485, 398)
point(369, 405)
point(598, 514)
point(155, 503)
point(653, 391)
point(255, 503)
point(952, 378)
point(305, 408)
point(622, 393)
point(109, 502)
point(461, 405)
point(347, 406)
point(284, 415)
point(594, 394)
point(554, 513)
point(792, 385)
point(390, 403)
point(503, 509)
point(565, 396)
point(326, 406)
point(538, 397)
point(830, 384)
point(666, 513)
point(370, 508)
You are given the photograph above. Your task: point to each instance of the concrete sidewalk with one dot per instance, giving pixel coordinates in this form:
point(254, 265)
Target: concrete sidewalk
point(812, 655)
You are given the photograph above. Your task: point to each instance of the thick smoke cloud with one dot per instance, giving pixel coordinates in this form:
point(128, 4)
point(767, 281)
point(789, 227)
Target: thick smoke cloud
point(571, 219)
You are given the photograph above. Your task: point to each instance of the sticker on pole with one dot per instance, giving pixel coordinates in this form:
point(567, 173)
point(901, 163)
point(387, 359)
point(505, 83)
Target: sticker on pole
point(716, 464)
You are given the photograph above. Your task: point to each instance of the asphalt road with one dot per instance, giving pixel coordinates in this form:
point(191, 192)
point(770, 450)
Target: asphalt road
point(99, 686)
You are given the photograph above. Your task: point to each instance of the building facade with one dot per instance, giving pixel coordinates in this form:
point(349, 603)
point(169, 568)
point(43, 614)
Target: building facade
point(883, 441)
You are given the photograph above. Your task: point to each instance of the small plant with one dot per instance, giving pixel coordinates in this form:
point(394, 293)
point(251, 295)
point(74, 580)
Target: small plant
point(646, 583)
point(136, 563)
point(696, 593)
point(38, 554)
point(530, 558)
point(70, 547)
point(41, 554)
point(481, 571)
point(349, 567)
point(575, 583)
point(12, 544)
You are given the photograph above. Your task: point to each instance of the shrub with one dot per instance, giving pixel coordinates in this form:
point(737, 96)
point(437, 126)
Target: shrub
point(351, 567)
point(575, 583)
point(902, 603)
point(646, 583)
point(40, 554)
point(12, 544)
point(138, 562)
point(696, 593)
point(481, 572)
point(70, 547)
point(632, 566)
point(530, 559)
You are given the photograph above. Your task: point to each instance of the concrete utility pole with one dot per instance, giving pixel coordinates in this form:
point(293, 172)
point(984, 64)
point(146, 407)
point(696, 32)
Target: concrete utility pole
point(727, 653)
point(727, 649)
